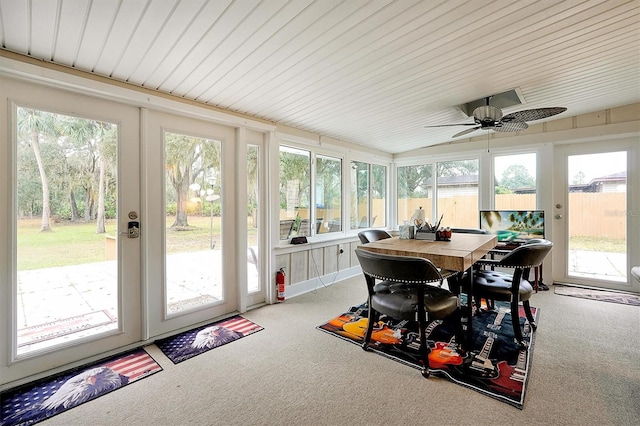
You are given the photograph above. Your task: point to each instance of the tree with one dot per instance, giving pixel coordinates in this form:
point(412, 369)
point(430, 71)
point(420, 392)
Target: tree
point(579, 178)
point(90, 143)
point(188, 160)
point(414, 181)
point(517, 176)
point(295, 169)
point(458, 168)
point(33, 125)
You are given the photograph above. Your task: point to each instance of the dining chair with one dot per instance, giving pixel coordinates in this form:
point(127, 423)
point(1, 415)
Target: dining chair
point(371, 235)
point(420, 300)
point(492, 284)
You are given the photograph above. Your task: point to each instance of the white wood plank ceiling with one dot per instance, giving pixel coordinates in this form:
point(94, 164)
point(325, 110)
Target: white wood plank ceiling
point(367, 72)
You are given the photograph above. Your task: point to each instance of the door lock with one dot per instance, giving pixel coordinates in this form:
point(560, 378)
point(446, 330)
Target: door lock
point(133, 229)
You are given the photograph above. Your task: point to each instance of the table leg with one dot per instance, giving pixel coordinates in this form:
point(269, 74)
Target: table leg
point(468, 344)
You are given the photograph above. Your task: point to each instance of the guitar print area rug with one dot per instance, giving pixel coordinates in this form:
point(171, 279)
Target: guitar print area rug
point(202, 339)
point(35, 402)
point(495, 365)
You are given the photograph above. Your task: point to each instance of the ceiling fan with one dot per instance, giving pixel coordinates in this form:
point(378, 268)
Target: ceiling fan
point(488, 117)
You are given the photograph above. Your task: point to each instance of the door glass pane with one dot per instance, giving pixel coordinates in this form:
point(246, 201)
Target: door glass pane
point(597, 221)
point(515, 182)
point(253, 203)
point(295, 192)
point(67, 281)
point(193, 237)
point(329, 192)
point(415, 190)
point(458, 194)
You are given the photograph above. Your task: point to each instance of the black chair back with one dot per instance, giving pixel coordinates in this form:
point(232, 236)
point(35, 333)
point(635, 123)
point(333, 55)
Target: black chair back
point(404, 269)
point(527, 255)
point(371, 235)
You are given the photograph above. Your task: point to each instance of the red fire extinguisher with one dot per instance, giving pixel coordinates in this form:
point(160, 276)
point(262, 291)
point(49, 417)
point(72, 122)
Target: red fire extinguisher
point(280, 284)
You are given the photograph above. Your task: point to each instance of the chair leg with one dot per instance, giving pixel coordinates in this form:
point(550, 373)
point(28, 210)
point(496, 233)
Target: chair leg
point(373, 318)
point(529, 314)
point(462, 343)
point(515, 321)
point(424, 348)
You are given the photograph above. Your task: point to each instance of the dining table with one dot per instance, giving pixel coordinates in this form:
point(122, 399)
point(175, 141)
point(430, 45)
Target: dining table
point(457, 254)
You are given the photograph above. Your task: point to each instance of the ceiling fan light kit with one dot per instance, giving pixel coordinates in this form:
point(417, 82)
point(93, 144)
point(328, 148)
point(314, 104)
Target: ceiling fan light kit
point(487, 114)
point(488, 117)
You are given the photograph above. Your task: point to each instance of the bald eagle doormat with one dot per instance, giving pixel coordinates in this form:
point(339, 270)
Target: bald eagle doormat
point(45, 398)
point(494, 365)
point(202, 339)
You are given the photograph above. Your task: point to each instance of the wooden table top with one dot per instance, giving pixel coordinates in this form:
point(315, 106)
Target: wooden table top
point(457, 255)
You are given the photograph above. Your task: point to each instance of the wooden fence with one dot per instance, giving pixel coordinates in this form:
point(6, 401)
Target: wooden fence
point(597, 214)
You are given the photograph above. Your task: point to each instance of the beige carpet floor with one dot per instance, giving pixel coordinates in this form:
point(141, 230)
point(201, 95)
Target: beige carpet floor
point(586, 371)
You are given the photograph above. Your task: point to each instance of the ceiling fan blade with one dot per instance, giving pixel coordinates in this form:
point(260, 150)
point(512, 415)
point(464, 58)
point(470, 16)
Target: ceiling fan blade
point(449, 125)
point(514, 126)
point(532, 114)
point(464, 132)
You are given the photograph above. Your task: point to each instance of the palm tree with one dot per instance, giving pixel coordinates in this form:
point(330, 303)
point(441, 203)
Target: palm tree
point(33, 125)
point(92, 142)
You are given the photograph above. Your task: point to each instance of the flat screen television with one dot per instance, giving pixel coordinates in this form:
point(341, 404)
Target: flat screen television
point(513, 227)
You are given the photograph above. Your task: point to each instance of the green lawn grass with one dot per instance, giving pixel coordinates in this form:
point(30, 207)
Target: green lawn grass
point(74, 243)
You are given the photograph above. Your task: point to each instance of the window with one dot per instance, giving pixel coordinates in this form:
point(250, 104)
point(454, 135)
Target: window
point(515, 181)
point(328, 194)
point(295, 191)
point(457, 190)
point(415, 190)
point(312, 199)
point(368, 195)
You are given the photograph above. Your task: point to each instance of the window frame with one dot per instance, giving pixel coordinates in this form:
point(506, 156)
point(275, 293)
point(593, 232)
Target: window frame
point(346, 158)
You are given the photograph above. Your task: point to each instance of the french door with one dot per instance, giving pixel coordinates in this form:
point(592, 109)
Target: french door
point(593, 216)
point(202, 199)
point(71, 290)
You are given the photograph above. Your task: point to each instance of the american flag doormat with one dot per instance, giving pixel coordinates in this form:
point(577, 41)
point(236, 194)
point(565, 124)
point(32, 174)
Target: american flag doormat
point(202, 339)
point(37, 401)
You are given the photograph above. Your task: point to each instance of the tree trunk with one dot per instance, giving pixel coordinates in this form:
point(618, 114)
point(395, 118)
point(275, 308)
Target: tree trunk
point(46, 206)
point(182, 190)
point(75, 214)
point(87, 205)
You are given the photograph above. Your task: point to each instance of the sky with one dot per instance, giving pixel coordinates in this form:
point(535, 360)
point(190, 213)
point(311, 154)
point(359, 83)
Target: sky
point(591, 165)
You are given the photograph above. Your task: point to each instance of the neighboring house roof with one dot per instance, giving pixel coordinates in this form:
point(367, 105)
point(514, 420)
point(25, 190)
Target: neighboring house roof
point(612, 179)
point(471, 180)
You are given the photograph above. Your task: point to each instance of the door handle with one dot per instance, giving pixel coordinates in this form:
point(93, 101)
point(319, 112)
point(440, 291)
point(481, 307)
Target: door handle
point(558, 216)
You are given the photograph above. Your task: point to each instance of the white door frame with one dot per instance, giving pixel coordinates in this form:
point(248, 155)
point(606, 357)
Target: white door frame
point(245, 138)
point(155, 123)
point(18, 93)
point(560, 204)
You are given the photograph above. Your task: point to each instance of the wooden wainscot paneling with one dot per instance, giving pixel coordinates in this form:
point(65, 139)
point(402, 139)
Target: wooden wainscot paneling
point(316, 262)
point(299, 266)
point(352, 253)
point(330, 259)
